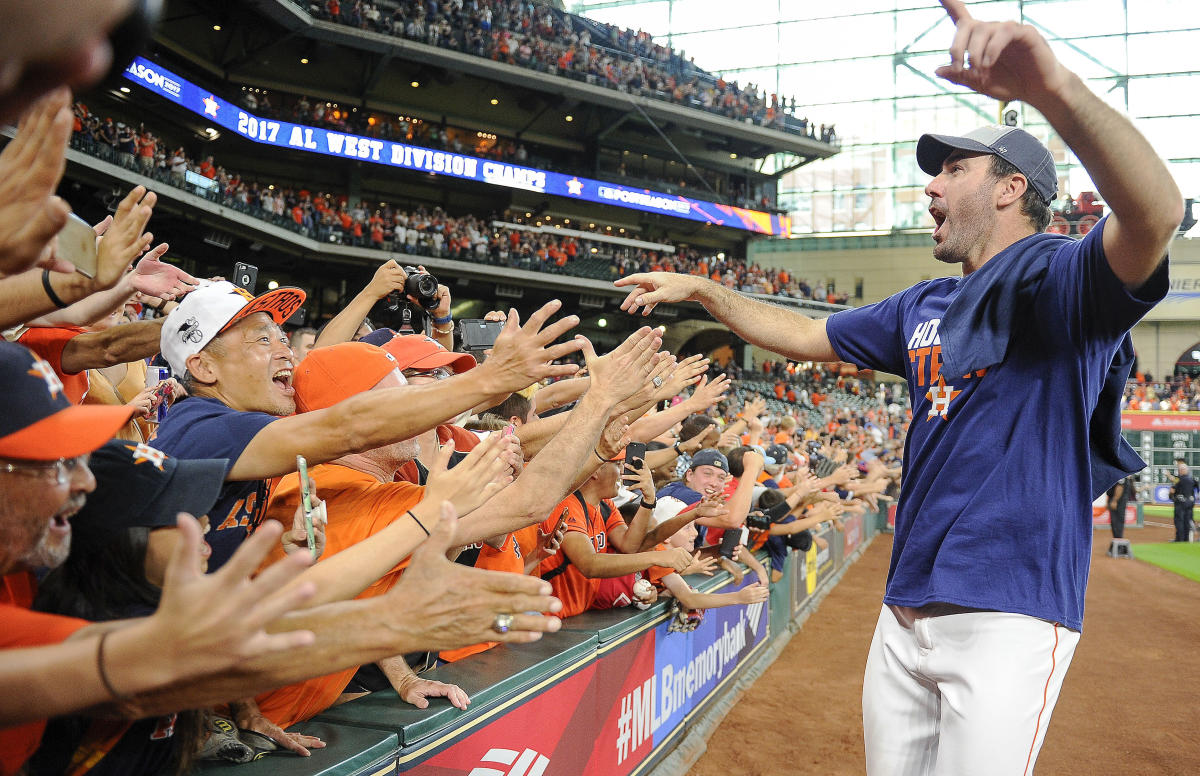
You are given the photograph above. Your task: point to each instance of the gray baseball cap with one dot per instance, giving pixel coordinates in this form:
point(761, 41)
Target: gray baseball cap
point(1015, 146)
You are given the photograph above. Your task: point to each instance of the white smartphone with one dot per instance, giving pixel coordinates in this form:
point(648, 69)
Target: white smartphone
point(77, 244)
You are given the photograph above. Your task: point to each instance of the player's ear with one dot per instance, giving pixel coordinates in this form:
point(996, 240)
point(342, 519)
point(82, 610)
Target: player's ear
point(1011, 189)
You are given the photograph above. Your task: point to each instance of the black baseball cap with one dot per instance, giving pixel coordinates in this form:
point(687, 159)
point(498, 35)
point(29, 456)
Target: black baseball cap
point(710, 457)
point(138, 485)
point(778, 453)
point(1015, 146)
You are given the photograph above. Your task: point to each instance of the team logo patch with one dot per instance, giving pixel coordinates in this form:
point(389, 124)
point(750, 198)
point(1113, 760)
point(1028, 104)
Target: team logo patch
point(940, 396)
point(46, 372)
point(211, 106)
point(144, 453)
point(190, 331)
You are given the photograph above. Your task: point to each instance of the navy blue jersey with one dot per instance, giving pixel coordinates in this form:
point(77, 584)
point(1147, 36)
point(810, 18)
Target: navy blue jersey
point(200, 427)
point(994, 510)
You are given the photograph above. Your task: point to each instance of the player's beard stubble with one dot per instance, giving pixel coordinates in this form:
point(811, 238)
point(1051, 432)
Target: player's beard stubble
point(968, 223)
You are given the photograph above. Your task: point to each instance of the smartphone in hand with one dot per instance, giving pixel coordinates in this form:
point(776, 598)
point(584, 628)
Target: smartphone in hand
point(306, 500)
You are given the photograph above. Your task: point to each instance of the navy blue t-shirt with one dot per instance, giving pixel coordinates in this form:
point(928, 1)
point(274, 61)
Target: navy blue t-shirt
point(994, 509)
point(199, 427)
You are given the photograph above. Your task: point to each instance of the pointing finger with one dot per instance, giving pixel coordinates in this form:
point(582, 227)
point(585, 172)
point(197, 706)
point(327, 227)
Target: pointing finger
point(956, 10)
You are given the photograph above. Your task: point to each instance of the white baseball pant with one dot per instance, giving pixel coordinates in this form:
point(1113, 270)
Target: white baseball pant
point(951, 691)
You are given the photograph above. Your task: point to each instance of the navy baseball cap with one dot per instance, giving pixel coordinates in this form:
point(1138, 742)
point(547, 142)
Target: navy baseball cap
point(39, 422)
point(138, 485)
point(1015, 146)
point(710, 457)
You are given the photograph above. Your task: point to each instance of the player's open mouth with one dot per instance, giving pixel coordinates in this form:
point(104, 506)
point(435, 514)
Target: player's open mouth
point(939, 220)
point(283, 380)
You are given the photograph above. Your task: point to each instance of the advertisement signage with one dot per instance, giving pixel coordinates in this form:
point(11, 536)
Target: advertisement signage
point(852, 532)
point(633, 699)
point(1160, 421)
point(299, 137)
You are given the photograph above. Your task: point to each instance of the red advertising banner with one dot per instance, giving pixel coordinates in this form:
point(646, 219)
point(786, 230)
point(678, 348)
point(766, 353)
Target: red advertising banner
point(1100, 515)
point(1160, 421)
point(602, 702)
point(852, 534)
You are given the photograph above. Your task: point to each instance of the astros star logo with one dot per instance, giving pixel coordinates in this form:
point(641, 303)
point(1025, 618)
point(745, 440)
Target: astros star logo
point(144, 453)
point(210, 106)
point(940, 396)
point(575, 187)
point(46, 372)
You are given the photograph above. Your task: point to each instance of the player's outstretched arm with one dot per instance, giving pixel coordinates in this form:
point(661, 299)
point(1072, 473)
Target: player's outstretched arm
point(1011, 61)
point(769, 326)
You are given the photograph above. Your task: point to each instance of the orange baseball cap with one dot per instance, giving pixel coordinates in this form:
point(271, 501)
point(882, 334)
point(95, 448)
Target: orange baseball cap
point(326, 376)
point(39, 423)
point(416, 351)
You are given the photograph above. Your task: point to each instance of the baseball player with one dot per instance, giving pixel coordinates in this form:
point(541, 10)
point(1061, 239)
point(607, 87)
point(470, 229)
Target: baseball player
point(1015, 372)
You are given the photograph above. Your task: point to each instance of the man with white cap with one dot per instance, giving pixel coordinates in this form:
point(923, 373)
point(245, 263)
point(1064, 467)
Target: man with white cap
point(229, 352)
point(1015, 371)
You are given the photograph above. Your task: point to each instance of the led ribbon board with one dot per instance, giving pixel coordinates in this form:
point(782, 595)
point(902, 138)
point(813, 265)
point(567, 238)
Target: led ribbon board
point(300, 137)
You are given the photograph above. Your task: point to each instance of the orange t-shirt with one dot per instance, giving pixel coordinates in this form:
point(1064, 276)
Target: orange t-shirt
point(359, 506)
point(48, 343)
point(508, 558)
point(569, 585)
point(655, 574)
point(20, 627)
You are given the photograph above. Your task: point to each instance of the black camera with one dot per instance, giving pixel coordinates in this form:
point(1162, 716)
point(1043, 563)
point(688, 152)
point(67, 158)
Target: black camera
point(422, 287)
point(758, 520)
point(761, 520)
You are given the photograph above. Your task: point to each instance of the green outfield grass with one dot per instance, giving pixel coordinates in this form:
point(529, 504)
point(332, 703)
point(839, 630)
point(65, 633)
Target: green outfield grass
point(1183, 559)
point(1157, 510)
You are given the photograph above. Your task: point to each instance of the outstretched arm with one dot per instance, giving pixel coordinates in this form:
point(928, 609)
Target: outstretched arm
point(769, 326)
point(1010, 61)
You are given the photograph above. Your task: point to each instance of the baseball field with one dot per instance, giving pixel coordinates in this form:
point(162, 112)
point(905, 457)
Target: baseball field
point(1127, 706)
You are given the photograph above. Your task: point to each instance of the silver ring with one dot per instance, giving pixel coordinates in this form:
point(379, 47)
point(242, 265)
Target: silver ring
point(502, 623)
point(657, 382)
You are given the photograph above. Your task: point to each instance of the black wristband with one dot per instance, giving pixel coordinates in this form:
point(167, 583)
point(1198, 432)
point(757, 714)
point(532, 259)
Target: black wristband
point(418, 522)
point(60, 304)
point(651, 505)
point(677, 450)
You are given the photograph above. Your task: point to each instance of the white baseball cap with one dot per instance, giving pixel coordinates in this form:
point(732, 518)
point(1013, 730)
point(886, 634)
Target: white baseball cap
point(211, 309)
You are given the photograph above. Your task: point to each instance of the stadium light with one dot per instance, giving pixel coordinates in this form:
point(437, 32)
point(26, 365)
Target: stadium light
point(216, 28)
point(601, 322)
point(569, 117)
point(495, 101)
point(415, 84)
point(304, 60)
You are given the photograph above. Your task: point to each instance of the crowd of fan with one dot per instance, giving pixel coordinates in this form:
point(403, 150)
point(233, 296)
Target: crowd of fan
point(540, 37)
point(1179, 394)
point(285, 595)
point(497, 240)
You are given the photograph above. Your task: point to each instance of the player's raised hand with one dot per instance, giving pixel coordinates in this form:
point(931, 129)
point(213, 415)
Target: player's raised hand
point(1004, 60)
point(652, 288)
